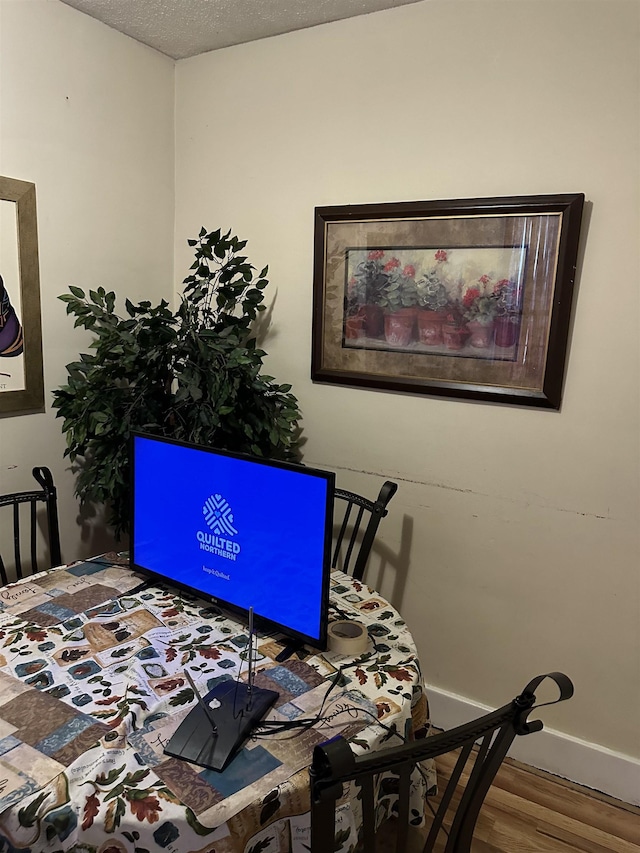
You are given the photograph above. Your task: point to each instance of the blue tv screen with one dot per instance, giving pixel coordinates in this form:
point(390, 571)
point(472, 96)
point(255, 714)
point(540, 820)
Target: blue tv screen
point(240, 531)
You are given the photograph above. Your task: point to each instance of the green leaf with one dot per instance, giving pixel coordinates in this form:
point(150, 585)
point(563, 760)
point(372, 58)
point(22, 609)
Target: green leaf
point(77, 291)
point(115, 792)
point(27, 815)
point(115, 813)
point(182, 698)
point(135, 777)
point(138, 793)
point(195, 824)
point(105, 779)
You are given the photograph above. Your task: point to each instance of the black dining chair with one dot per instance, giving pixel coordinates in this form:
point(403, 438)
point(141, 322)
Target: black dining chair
point(23, 507)
point(359, 518)
point(482, 744)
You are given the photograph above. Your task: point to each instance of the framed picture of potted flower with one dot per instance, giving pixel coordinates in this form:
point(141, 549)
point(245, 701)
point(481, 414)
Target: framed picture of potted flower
point(21, 374)
point(465, 298)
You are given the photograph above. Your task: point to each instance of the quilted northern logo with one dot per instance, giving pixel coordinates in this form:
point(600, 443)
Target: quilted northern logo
point(219, 517)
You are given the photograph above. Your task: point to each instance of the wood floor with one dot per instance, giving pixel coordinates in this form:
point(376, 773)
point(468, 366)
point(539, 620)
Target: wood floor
point(527, 811)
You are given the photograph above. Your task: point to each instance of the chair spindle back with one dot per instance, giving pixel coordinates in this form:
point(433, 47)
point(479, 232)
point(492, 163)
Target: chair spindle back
point(354, 530)
point(23, 508)
point(483, 745)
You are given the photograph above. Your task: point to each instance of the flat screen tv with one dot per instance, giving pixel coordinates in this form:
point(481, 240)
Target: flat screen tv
point(239, 531)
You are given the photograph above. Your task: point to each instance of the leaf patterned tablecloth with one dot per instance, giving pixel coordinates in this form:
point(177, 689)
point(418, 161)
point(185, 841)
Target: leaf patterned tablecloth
point(92, 684)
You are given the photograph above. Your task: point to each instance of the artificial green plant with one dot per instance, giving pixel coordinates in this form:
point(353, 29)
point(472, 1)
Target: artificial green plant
point(193, 374)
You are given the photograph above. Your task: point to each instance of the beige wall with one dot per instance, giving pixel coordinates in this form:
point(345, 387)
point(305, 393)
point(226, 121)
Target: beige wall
point(87, 115)
point(512, 547)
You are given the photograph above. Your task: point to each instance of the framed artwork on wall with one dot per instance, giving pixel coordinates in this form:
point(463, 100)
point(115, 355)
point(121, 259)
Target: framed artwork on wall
point(21, 373)
point(466, 298)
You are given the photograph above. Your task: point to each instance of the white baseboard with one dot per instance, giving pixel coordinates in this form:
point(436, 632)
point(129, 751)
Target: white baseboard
point(586, 763)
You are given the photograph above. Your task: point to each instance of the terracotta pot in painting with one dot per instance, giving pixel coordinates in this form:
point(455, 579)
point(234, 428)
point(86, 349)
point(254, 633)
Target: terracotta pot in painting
point(373, 321)
point(399, 326)
point(430, 325)
point(481, 334)
point(354, 326)
point(507, 330)
point(454, 337)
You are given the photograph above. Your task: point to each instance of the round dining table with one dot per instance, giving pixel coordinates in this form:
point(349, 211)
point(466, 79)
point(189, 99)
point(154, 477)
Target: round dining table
point(96, 668)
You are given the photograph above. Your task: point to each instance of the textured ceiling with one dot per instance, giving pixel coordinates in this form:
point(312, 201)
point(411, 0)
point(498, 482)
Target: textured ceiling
point(182, 28)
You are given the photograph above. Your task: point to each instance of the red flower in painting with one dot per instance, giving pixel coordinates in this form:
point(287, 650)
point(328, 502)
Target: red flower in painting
point(376, 254)
point(146, 808)
point(484, 279)
point(91, 808)
point(441, 255)
point(409, 271)
point(391, 265)
point(36, 635)
point(470, 296)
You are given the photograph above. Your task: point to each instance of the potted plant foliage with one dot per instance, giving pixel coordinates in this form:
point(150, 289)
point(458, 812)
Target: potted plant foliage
point(454, 330)
point(509, 315)
point(363, 311)
point(433, 302)
point(399, 298)
point(480, 309)
point(354, 315)
point(193, 374)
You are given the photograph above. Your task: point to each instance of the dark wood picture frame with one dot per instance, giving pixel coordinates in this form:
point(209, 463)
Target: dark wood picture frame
point(30, 397)
point(466, 298)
